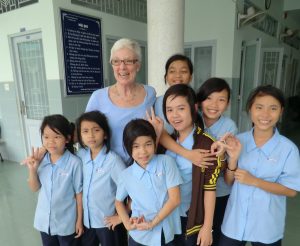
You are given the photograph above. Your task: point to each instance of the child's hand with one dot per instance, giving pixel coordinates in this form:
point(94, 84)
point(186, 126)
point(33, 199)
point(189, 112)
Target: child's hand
point(112, 221)
point(201, 157)
point(131, 223)
point(156, 122)
point(33, 161)
point(204, 237)
point(232, 146)
point(143, 226)
point(78, 229)
point(244, 177)
point(218, 148)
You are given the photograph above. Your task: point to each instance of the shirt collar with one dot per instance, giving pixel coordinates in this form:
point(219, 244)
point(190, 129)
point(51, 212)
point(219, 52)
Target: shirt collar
point(268, 147)
point(138, 171)
point(62, 161)
point(215, 125)
point(189, 140)
point(99, 158)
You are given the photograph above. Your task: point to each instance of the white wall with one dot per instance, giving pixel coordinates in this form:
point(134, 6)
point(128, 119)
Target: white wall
point(29, 17)
point(213, 20)
point(45, 16)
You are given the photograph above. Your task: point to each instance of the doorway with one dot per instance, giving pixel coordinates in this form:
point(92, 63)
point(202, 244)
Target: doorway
point(30, 77)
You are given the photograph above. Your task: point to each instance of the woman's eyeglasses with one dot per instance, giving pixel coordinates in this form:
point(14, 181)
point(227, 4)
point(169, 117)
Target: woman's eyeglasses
point(116, 62)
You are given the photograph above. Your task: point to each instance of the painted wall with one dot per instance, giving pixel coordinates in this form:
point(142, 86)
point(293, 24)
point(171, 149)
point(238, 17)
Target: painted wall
point(213, 20)
point(30, 17)
point(35, 17)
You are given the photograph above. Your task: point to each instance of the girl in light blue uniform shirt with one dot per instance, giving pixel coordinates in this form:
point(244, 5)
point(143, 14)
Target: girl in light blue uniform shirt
point(58, 177)
point(213, 98)
point(178, 70)
point(101, 169)
point(152, 182)
point(268, 171)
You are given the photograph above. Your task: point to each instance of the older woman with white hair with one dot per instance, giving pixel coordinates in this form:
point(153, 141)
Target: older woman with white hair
point(126, 99)
point(121, 102)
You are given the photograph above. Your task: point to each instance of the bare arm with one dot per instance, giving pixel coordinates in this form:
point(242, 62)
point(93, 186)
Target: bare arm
point(123, 214)
point(205, 233)
point(33, 180)
point(199, 157)
point(79, 225)
point(169, 206)
point(245, 177)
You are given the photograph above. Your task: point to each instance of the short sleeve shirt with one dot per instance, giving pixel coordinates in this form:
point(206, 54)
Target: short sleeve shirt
point(60, 182)
point(100, 174)
point(253, 214)
point(148, 189)
point(118, 117)
point(222, 126)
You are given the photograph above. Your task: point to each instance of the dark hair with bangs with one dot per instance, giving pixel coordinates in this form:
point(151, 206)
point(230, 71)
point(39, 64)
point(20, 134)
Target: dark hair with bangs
point(134, 129)
point(210, 86)
point(182, 90)
point(178, 57)
point(101, 120)
point(60, 125)
point(265, 90)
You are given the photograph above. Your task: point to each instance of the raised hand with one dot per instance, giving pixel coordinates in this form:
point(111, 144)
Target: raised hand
point(156, 122)
point(32, 161)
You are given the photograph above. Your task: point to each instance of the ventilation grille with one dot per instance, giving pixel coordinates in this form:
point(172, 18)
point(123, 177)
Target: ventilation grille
point(130, 9)
point(9, 5)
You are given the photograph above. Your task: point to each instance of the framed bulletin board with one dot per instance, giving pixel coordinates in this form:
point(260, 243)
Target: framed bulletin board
point(82, 51)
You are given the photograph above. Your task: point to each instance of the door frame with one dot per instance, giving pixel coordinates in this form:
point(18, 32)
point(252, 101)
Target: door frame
point(257, 71)
point(18, 87)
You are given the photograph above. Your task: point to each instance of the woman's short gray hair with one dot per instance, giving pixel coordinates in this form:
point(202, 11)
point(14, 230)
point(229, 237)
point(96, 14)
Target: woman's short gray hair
point(128, 44)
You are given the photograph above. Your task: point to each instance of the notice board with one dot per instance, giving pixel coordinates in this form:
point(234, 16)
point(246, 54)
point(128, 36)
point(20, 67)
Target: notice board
point(82, 48)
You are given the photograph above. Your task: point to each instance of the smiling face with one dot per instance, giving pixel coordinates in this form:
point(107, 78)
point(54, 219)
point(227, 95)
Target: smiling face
point(178, 73)
point(265, 113)
point(125, 74)
point(214, 106)
point(143, 149)
point(92, 136)
point(54, 142)
point(179, 115)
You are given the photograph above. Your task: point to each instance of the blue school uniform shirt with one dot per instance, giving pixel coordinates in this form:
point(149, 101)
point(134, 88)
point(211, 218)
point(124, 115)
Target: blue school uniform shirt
point(253, 214)
point(158, 108)
point(185, 167)
point(148, 189)
point(100, 178)
point(118, 117)
point(56, 208)
point(217, 130)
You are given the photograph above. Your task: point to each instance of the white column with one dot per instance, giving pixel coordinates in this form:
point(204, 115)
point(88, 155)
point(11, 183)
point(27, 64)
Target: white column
point(165, 24)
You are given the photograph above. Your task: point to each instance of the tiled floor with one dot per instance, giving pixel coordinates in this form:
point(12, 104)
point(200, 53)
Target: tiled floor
point(17, 205)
